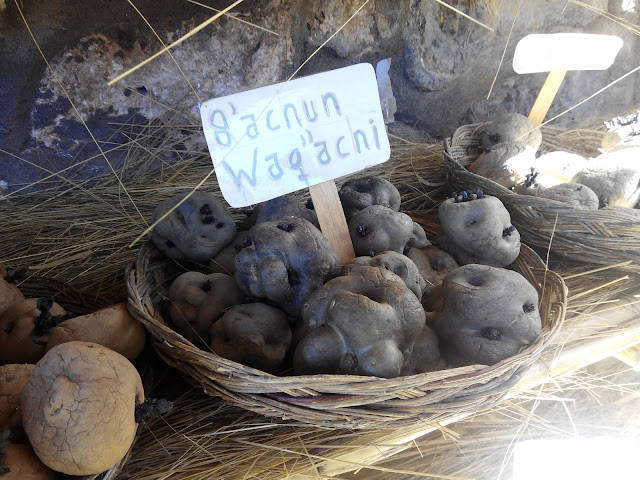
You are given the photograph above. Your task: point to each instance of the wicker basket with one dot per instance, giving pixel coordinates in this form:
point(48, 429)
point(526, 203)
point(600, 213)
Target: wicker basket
point(603, 237)
point(339, 400)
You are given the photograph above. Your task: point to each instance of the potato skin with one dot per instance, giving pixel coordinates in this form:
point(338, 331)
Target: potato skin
point(17, 332)
point(112, 327)
point(9, 295)
point(13, 378)
point(79, 408)
point(23, 464)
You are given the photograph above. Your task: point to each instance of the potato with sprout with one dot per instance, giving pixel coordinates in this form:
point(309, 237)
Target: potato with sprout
point(476, 228)
point(24, 329)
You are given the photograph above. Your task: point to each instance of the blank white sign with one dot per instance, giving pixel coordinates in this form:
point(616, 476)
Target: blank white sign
point(275, 140)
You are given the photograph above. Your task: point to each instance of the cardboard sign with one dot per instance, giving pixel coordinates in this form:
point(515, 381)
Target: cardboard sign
point(281, 138)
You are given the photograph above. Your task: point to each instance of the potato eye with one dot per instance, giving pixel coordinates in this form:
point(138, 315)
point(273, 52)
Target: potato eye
point(528, 307)
point(508, 231)
point(475, 281)
point(287, 227)
point(490, 333)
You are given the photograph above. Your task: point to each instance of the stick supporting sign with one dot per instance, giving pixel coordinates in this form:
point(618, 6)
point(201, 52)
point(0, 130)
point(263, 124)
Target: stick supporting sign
point(307, 132)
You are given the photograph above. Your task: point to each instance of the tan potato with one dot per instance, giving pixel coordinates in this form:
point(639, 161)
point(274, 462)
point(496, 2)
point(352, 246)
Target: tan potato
point(112, 327)
point(20, 341)
point(9, 295)
point(23, 464)
point(79, 408)
point(13, 378)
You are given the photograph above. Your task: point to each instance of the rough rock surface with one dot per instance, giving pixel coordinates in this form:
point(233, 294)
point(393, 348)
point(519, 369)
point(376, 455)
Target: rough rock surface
point(442, 65)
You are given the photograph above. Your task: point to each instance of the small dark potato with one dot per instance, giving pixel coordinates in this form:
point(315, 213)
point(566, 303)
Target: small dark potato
point(425, 356)
point(574, 194)
point(254, 334)
point(284, 261)
point(483, 315)
point(196, 230)
point(433, 264)
point(359, 193)
point(286, 206)
point(394, 262)
point(13, 378)
point(9, 295)
point(363, 323)
point(225, 260)
point(112, 327)
point(478, 231)
point(22, 463)
point(198, 300)
point(511, 127)
point(377, 229)
point(20, 340)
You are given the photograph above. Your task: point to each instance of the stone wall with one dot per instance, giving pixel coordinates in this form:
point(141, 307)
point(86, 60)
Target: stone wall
point(441, 72)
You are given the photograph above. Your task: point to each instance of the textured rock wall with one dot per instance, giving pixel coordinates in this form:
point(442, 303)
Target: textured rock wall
point(441, 72)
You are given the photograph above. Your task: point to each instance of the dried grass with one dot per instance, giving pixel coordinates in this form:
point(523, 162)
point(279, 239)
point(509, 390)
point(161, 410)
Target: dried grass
point(78, 230)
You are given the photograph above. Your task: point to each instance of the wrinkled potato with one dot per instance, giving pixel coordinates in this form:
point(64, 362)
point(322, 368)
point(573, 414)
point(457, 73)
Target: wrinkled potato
point(254, 334)
point(363, 323)
point(433, 264)
point(24, 329)
point(478, 231)
point(22, 463)
point(79, 408)
point(359, 193)
point(196, 230)
point(198, 300)
point(13, 378)
point(512, 127)
point(507, 164)
point(9, 295)
point(377, 229)
point(112, 327)
point(284, 261)
point(574, 194)
point(394, 262)
point(483, 315)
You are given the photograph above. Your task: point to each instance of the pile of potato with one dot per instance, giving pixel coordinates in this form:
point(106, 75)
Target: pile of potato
point(276, 298)
point(68, 389)
point(511, 158)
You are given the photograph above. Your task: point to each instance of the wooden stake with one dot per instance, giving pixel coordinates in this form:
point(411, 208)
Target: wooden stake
point(545, 97)
point(331, 218)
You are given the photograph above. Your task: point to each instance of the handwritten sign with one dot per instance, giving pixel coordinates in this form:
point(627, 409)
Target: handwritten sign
point(275, 140)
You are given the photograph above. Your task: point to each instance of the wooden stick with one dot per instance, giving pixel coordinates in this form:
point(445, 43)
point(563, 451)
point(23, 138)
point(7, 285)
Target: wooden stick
point(546, 96)
point(331, 218)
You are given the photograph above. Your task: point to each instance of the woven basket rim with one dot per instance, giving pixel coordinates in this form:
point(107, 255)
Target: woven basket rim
point(339, 400)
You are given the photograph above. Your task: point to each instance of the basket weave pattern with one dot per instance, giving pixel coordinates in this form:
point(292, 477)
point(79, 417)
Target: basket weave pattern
point(339, 400)
point(602, 237)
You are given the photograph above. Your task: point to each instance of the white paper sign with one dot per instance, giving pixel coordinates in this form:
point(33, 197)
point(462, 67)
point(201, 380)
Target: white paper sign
point(281, 138)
